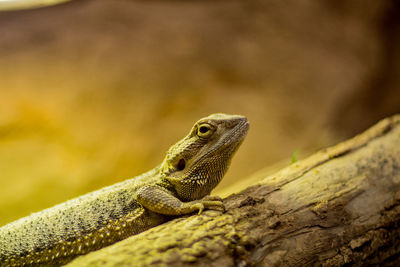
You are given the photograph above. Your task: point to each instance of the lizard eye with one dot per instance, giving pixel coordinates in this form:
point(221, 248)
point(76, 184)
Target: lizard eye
point(181, 165)
point(204, 130)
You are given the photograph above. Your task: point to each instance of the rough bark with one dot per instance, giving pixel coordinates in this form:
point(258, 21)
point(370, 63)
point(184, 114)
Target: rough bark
point(340, 206)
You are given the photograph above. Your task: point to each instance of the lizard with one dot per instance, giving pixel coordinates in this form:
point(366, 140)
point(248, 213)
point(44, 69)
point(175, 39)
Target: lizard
point(180, 185)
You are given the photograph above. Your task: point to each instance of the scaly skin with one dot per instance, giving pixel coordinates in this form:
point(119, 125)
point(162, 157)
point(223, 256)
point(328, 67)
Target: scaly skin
point(180, 185)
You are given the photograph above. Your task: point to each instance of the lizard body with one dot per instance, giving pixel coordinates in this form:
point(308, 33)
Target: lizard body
point(180, 185)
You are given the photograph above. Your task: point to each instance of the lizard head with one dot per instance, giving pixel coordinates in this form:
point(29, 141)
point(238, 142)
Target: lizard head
point(196, 164)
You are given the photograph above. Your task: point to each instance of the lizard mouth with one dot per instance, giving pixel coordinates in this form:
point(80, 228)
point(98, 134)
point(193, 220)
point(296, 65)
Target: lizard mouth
point(236, 135)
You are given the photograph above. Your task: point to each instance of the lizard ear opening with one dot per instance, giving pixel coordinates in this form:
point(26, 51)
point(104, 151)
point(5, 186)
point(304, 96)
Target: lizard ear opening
point(181, 165)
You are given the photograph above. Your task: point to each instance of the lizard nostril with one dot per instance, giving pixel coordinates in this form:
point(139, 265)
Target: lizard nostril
point(181, 164)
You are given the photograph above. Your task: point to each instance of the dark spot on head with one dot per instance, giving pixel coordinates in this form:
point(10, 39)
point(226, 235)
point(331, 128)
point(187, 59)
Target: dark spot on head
point(181, 164)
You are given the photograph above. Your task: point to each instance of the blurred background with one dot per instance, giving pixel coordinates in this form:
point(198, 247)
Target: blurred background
point(93, 92)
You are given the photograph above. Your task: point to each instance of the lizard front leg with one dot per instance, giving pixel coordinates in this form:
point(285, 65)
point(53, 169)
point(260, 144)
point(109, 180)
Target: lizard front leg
point(161, 200)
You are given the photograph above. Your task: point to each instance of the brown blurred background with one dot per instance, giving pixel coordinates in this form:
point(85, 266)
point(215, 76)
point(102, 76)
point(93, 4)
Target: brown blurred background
point(95, 91)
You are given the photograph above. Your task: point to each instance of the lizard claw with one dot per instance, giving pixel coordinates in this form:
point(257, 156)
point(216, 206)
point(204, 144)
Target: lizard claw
point(201, 210)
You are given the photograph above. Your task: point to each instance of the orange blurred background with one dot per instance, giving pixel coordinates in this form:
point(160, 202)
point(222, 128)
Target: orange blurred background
point(94, 92)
